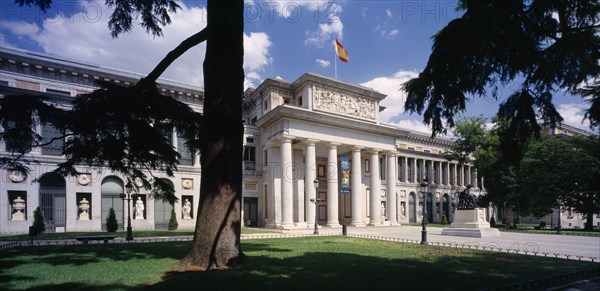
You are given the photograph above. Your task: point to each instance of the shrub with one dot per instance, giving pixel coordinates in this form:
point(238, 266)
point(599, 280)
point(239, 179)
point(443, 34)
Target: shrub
point(444, 218)
point(505, 221)
point(173, 221)
point(38, 221)
point(492, 221)
point(111, 221)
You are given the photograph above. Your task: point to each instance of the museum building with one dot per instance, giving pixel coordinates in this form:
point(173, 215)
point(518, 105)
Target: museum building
point(314, 149)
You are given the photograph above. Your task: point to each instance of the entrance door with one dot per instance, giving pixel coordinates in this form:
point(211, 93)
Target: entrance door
point(412, 208)
point(251, 211)
point(111, 189)
point(53, 201)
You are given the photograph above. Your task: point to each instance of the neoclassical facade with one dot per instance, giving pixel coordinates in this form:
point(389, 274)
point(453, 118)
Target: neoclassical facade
point(319, 128)
point(315, 128)
point(82, 203)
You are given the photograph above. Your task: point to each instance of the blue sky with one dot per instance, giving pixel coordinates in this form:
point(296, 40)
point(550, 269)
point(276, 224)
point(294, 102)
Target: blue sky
point(388, 43)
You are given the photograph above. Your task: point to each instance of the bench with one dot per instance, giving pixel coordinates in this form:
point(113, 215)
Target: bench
point(86, 238)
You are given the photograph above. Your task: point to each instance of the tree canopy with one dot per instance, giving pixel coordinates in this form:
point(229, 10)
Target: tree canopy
point(541, 47)
point(129, 138)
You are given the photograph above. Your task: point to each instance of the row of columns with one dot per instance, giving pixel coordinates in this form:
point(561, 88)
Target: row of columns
point(284, 215)
point(461, 175)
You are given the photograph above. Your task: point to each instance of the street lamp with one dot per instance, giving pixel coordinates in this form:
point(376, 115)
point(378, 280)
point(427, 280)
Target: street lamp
point(128, 189)
point(559, 226)
point(423, 189)
point(316, 202)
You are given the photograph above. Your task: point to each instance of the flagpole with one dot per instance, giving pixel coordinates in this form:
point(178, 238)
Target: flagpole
point(335, 56)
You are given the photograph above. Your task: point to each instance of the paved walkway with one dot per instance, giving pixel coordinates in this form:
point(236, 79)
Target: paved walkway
point(561, 246)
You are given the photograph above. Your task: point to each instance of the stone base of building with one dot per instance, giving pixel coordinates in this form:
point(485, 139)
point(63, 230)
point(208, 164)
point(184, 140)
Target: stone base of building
point(471, 223)
point(471, 232)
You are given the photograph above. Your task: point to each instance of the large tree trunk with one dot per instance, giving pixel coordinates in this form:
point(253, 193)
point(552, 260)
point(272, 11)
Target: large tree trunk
point(217, 235)
point(589, 221)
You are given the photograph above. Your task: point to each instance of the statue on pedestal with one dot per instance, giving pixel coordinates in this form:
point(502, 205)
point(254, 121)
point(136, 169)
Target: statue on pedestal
point(84, 206)
point(18, 206)
point(466, 200)
point(187, 209)
point(139, 208)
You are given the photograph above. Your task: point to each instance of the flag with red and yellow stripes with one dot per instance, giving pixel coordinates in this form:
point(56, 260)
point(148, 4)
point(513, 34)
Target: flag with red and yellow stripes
point(341, 52)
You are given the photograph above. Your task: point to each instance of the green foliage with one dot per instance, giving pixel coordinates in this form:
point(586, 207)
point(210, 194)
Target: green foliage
point(444, 218)
point(505, 221)
point(38, 221)
point(173, 221)
point(492, 221)
point(111, 221)
point(539, 48)
point(470, 136)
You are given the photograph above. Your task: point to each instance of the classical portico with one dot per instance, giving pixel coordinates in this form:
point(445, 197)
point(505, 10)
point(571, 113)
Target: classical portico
point(308, 125)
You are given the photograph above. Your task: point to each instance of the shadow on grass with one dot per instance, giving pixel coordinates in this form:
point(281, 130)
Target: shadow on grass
point(333, 263)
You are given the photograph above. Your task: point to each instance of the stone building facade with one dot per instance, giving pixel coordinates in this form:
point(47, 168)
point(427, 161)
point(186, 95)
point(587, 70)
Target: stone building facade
point(315, 128)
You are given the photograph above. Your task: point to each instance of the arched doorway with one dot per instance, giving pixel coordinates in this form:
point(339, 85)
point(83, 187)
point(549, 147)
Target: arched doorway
point(53, 202)
point(429, 208)
point(412, 208)
point(162, 212)
point(111, 189)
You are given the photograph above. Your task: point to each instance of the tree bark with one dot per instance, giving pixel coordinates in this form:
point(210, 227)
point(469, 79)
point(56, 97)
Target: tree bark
point(217, 235)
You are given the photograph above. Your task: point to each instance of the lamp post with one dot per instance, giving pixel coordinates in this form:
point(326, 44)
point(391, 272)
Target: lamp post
point(423, 189)
point(558, 225)
point(128, 189)
point(316, 202)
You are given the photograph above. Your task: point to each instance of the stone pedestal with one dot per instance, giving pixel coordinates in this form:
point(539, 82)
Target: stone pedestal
point(471, 223)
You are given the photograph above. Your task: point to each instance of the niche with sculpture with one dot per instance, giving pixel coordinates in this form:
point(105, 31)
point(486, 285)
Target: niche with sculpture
point(139, 206)
point(187, 207)
point(18, 205)
point(84, 206)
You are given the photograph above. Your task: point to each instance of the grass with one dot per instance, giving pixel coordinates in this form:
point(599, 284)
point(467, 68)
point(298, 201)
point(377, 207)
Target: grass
point(121, 233)
point(324, 263)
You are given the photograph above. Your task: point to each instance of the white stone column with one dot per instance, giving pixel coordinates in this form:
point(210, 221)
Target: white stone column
point(468, 176)
point(416, 173)
point(273, 187)
point(438, 173)
point(392, 212)
point(405, 170)
point(358, 197)
point(455, 172)
point(310, 170)
point(299, 191)
point(475, 179)
point(332, 187)
point(375, 198)
point(287, 181)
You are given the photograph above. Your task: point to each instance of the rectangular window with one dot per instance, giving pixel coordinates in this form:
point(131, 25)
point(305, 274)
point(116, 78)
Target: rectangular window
point(249, 158)
point(411, 170)
point(52, 140)
point(186, 157)
point(367, 166)
point(382, 168)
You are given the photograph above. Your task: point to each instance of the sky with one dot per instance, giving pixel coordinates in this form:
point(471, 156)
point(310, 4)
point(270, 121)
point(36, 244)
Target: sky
point(388, 43)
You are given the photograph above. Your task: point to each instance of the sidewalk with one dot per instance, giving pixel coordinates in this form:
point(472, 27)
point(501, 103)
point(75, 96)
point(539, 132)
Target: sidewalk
point(560, 246)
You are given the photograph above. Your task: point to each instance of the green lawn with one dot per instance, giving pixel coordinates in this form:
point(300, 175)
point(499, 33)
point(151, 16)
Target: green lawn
point(309, 263)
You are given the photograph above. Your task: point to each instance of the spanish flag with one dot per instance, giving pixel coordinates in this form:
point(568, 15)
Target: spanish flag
point(341, 52)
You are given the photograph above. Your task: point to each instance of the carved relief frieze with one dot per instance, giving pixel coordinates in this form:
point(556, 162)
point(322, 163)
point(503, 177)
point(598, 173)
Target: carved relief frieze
point(330, 100)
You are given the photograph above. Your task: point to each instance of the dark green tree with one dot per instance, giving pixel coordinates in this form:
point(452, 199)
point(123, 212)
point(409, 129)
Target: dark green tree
point(564, 170)
point(111, 221)
point(38, 221)
point(173, 225)
point(539, 47)
point(123, 139)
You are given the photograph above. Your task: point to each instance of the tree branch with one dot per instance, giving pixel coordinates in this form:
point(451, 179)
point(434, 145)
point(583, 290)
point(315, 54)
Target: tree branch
point(184, 46)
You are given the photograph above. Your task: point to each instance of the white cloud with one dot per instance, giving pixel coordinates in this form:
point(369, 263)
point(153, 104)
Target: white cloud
point(412, 125)
point(20, 28)
point(322, 63)
point(391, 86)
point(388, 13)
point(78, 38)
point(573, 114)
point(390, 34)
point(333, 27)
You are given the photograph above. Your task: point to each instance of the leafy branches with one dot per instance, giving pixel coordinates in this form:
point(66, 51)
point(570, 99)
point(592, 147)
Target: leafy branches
point(510, 41)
